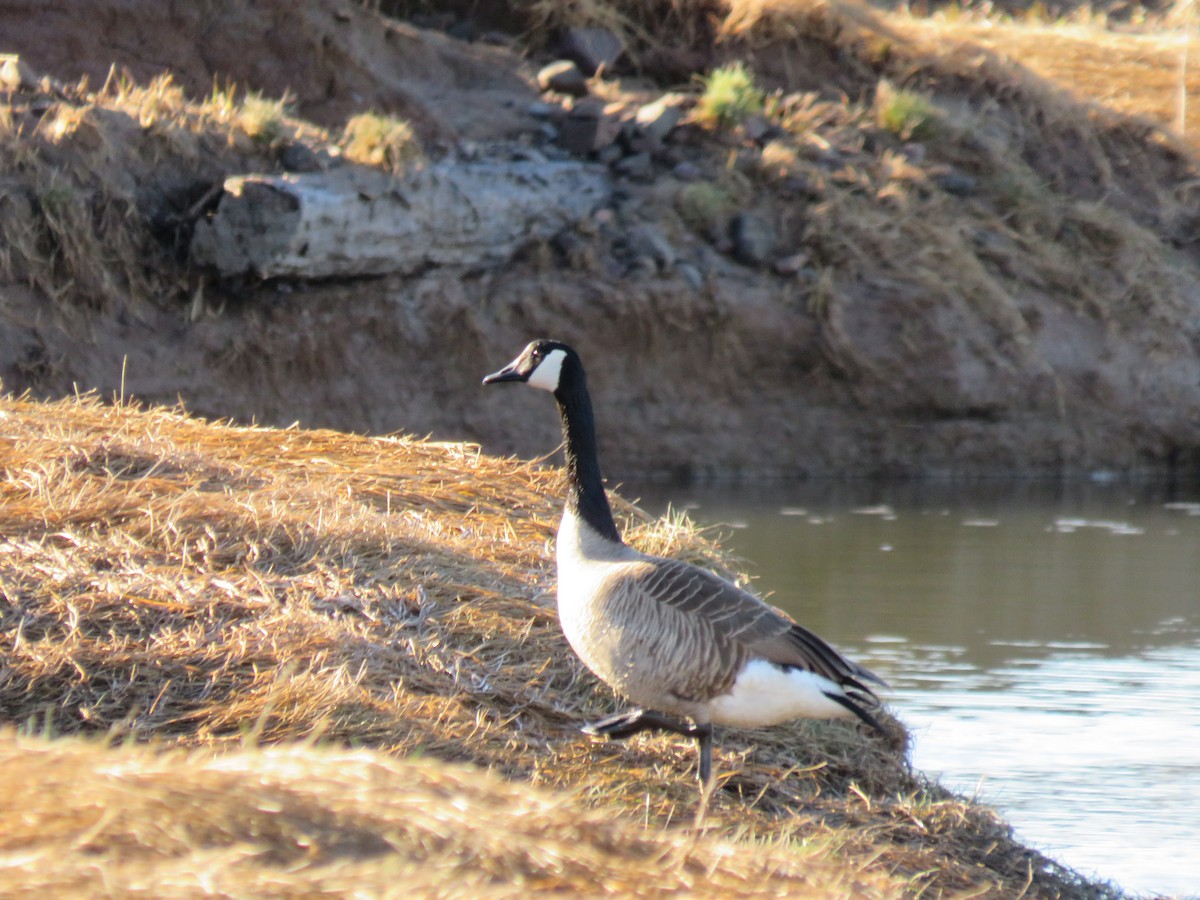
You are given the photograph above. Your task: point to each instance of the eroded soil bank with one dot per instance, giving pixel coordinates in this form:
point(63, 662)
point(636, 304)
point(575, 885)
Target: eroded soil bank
point(1014, 290)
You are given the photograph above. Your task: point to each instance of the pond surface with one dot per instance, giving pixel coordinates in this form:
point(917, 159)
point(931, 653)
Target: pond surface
point(1042, 643)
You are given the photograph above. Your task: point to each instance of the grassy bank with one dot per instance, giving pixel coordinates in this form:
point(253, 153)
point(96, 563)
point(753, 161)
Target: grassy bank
point(259, 661)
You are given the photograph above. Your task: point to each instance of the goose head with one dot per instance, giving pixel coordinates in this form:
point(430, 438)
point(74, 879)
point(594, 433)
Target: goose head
point(540, 365)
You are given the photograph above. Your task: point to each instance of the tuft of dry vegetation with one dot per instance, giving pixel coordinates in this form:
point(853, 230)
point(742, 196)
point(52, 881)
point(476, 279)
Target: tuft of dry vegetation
point(224, 610)
point(730, 96)
point(387, 142)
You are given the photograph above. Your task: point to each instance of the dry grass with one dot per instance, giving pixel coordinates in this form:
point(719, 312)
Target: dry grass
point(383, 141)
point(210, 590)
point(94, 183)
point(299, 821)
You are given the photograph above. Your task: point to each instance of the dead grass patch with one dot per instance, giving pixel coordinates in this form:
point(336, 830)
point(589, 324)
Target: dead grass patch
point(211, 589)
point(304, 820)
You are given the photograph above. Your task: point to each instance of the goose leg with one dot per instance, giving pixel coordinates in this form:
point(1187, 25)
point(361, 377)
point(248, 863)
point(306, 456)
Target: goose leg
point(704, 739)
point(626, 724)
point(708, 784)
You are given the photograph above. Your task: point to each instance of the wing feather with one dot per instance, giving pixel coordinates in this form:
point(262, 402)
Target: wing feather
point(736, 625)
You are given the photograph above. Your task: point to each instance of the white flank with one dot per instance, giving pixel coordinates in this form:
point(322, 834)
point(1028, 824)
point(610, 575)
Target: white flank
point(545, 376)
point(764, 694)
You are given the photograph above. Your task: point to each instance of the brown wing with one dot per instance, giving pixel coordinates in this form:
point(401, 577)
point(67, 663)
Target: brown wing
point(742, 625)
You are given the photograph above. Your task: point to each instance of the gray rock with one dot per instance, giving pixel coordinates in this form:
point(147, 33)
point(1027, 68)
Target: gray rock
point(687, 171)
point(756, 127)
point(753, 239)
point(592, 48)
point(639, 167)
point(690, 274)
point(656, 120)
point(540, 110)
point(914, 152)
point(588, 128)
point(609, 155)
point(790, 265)
point(642, 266)
point(463, 30)
point(564, 77)
point(528, 154)
point(648, 240)
point(300, 158)
point(957, 183)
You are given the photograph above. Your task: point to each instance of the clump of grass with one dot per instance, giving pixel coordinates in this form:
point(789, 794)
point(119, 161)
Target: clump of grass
point(730, 96)
point(779, 159)
point(907, 114)
point(388, 142)
point(705, 207)
point(263, 118)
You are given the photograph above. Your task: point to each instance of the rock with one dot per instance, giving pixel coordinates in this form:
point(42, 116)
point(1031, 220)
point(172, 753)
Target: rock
point(674, 65)
point(592, 49)
point(957, 183)
point(564, 77)
point(540, 110)
point(690, 274)
point(656, 120)
point(463, 30)
point(790, 265)
point(642, 266)
point(753, 240)
point(648, 240)
point(14, 74)
point(609, 155)
point(527, 154)
point(639, 167)
point(799, 186)
point(587, 128)
point(687, 171)
point(297, 157)
point(914, 152)
point(433, 21)
point(757, 128)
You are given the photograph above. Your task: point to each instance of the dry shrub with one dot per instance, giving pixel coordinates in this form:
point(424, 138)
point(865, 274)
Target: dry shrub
point(209, 587)
point(373, 139)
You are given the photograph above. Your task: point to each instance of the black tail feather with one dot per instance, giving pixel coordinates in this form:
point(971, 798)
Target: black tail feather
point(849, 704)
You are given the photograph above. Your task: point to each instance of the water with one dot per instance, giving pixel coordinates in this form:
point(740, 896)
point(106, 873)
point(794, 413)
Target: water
point(1043, 644)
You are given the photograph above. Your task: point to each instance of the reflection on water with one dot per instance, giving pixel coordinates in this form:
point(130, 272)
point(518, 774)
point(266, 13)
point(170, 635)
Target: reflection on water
point(1043, 643)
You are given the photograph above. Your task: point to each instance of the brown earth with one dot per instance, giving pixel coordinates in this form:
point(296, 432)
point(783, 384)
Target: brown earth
point(1045, 319)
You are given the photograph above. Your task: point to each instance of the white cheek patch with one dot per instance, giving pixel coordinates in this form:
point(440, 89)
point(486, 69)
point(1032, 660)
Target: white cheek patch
point(545, 376)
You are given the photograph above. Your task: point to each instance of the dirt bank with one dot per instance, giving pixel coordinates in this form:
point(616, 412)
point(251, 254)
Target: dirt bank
point(1012, 289)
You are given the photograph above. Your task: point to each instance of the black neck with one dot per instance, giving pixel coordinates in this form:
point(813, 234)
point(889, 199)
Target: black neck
point(585, 487)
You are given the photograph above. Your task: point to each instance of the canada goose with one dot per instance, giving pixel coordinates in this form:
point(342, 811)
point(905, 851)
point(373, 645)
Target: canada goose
point(667, 635)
